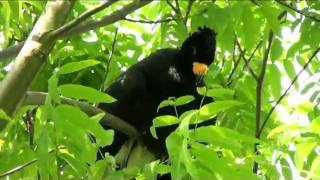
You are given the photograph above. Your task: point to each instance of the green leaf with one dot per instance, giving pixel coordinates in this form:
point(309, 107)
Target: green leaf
point(165, 103)
point(14, 6)
point(271, 14)
point(207, 158)
point(74, 163)
point(289, 68)
point(314, 96)
point(315, 125)
point(296, 47)
point(84, 93)
point(214, 108)
point(43, 154)
point(162, 121)
point(302, 152)
point(77, 66)
point(285, 127)
point(183, 100)
point(276, 50)
point(308, 87)
point(275, 80)
point(53, 88)
point(223, 137)
point(315, 169)
point(251, 25)
point(305, 107)
point(79, 119)
point(172, 101)
point(220, 92)
point(4, 116)
point(6, 11)
point(179, 156)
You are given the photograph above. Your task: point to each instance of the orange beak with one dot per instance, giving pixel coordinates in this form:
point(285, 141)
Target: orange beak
point(199, 69)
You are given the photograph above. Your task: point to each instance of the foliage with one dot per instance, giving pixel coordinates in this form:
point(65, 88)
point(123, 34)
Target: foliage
point(55, 140)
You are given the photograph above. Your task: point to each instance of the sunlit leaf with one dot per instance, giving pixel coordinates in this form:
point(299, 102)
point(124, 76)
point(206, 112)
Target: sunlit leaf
point(84, 93)
point(218, 106)
point(183, 100)
point(275, 80)
point(77, 66)
point(302, 152)
point(276, 50)
point(221, 134)
point(162, 121)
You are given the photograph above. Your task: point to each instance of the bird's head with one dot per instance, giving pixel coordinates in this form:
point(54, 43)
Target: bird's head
point(200, 48)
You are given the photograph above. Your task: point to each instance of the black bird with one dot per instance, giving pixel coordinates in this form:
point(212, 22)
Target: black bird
point(165, 73)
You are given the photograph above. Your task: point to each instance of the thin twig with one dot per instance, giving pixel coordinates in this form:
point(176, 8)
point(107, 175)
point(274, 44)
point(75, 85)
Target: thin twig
point(109, 60)
point(20, 167)
point(178, 8)
point(234, 49)
point(259, 95)
point(172, 6)
point(286, 91)
point(150, 21)
point(254, 75)
point(84, 27)
point(247, 61)
point(298, 11)
point(188, 11)
point(81, 18)
point(237, 62)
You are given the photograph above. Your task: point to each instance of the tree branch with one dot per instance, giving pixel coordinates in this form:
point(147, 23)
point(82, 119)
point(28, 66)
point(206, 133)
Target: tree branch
point(11, 51)
point(20, 167)
point(237, 62)
point(287, 90)
point(109, 60)
point(81, 18)
point(106, 20)
point(32, 55)
point(188, 11)
point(298, 11)
point(38, 98)
point(172, 6)
point(150, 21)
point(259, 95)
point(251, 56)
point(254, 75)
point(83, 27)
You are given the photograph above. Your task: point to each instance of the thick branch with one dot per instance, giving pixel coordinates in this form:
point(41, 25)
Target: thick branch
point(11, 51)
point(38, 98)
point(287, 90)
point(32, 55)
point(260, 84)
point(259, 95)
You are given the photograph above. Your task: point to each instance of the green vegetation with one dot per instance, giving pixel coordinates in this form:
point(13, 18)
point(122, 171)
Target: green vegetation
point(265, 82)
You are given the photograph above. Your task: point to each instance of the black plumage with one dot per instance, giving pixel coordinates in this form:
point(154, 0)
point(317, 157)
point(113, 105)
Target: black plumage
point(165, 73)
